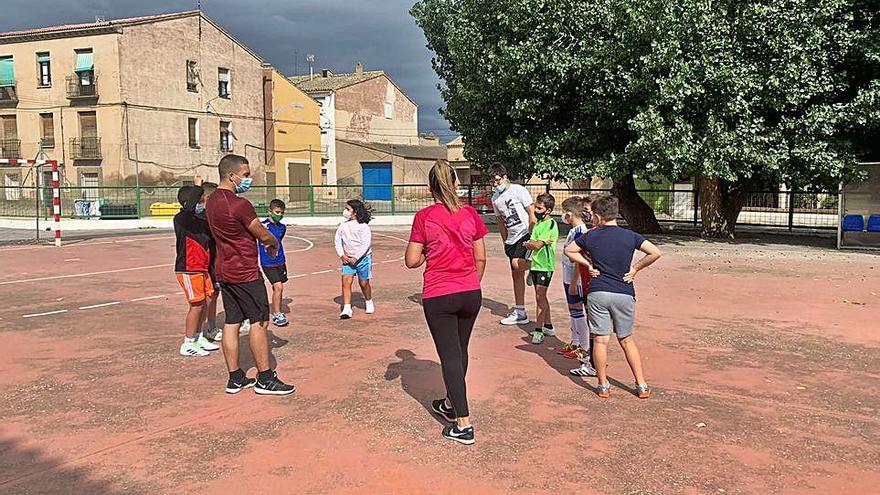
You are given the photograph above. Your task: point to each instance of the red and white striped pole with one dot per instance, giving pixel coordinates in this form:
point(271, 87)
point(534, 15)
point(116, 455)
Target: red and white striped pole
point(56, 202)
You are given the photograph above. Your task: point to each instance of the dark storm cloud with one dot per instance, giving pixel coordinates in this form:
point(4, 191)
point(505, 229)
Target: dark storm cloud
point(378, 33)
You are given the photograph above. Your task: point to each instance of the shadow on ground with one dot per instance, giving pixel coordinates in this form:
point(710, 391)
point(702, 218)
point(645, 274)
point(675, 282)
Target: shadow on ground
point(421, 379)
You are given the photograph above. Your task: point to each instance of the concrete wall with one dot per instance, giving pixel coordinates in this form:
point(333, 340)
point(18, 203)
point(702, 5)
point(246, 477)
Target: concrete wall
point(360, 113)
point(296, 126)
point(154, 84)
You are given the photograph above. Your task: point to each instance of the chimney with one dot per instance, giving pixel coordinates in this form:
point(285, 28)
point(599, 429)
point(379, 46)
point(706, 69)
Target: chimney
point(326, 73)
point(359, 69)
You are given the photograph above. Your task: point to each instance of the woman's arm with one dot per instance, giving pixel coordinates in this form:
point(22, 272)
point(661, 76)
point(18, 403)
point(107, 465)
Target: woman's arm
point(480, 256)
point(415, 254)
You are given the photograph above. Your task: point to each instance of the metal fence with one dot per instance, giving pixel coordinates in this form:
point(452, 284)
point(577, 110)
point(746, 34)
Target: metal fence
point(813, 210)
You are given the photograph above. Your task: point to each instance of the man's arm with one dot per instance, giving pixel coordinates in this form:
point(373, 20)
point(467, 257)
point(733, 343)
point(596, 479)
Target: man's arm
point(532, 219)
point(652, 254)
point(260, 233)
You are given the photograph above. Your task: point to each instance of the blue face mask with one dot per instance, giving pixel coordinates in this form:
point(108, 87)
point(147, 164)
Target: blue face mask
point(200, 208)
point(245, 185)
point(500, 188)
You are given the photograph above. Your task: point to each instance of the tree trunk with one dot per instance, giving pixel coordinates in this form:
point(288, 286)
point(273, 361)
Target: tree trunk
point(720, 204)
point(638, 214)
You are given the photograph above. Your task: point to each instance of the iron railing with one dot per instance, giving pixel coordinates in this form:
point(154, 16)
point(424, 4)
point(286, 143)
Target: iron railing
point(10, 148)
point(785, 209)
point(87, 148)
point(77, 90)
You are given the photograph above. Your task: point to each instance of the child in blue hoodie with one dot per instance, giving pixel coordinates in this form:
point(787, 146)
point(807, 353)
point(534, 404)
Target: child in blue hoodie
point(276, 268)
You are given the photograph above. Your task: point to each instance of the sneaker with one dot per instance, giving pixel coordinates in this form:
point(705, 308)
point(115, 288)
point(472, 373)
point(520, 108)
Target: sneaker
point(233, 387)
point(345, 314)
point(274, 386)
point(192, 349)
point(216, 335)
point(460, 435)
point(280, 320)
point(515, 318)
point(603, 391)
point(574, 353)
point(549, 331)
point(206, 344)
point(643, 391)
point(370, 308)
point(245, 327)
point(439, 406)
point(584, 370)
point(537, 337)
point(567, 348)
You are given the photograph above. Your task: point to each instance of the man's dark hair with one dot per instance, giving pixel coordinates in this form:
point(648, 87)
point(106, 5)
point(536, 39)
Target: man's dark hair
point(277, 203)
point(231, 164)
point(606, 206)
point(573, 204)
point(209, 187)
point(362, 211)
point(547, 200)
point(184, 193)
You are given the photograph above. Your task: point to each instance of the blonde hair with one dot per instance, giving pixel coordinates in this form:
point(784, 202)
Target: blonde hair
point(441, 181)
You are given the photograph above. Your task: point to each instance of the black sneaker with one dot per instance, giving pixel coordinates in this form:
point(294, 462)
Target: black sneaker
point(439, 406)
point(463, 435)
point(233, 387)
point(274, 386)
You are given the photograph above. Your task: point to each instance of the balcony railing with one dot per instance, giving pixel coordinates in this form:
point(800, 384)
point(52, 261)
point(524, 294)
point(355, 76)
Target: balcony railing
point(10, 148)
point(8, 95)
point(88, 148)
point(80, 88)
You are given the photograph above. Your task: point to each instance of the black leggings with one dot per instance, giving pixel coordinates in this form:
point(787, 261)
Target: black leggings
point(451, 319)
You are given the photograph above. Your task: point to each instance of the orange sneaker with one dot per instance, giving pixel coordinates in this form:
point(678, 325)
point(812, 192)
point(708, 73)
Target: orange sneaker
point(643, 391)
point(603, 391)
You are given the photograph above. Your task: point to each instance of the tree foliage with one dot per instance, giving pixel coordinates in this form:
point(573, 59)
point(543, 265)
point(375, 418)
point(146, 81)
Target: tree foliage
point(734, 93)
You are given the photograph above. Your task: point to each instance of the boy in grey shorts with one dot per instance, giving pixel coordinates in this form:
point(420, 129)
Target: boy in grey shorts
point(611, 298)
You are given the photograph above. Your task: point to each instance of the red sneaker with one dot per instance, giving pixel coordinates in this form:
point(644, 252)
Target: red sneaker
point(566, 349)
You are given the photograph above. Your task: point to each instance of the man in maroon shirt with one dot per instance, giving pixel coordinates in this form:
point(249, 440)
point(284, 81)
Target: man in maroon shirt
point(236, 230)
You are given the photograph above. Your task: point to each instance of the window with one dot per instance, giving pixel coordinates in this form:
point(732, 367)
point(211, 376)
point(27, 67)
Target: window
point(193, 133)
point(7, 72)
point(192, 76)
point(323, 176)
point(13, 187)
point(91, 185)
point(389, 109)
point(224, 83)
point(225, 136)
point(48, 123)
point(85, 67)
point(44, 72)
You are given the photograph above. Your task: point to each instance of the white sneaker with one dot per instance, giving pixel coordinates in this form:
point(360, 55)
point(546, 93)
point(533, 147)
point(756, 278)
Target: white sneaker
point(206, 344)
point(245, 327)
point(549, 332)
point(370, 308)
point(346, 313)
point(515, 318)
point(584, 370)
point(192, 349)
point(216, 335)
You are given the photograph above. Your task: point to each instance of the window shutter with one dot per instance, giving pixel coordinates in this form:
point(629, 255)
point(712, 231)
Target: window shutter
point(84, 61)
point(7, 72)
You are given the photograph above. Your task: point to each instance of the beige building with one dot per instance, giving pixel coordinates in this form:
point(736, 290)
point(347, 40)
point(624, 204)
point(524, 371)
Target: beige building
point(164, 96)
point(360, 107)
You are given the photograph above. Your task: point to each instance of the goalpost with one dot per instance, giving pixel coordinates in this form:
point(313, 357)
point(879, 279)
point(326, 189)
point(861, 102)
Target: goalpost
point(56, 190)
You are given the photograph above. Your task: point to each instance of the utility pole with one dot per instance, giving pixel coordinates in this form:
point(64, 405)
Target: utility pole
point(137, 181)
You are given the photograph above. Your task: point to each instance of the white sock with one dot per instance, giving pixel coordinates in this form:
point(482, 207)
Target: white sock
point(575, 334)
point(584, 332)
point(346, 307)
point(188, 340)
point(520, 309)
point(369, 301)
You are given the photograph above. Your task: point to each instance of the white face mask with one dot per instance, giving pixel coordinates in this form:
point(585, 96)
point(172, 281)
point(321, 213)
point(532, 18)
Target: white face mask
point(346, 214)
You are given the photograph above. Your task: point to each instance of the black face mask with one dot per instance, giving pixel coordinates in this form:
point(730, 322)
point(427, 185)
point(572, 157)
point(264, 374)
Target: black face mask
point(540, 216)
point(586, 218)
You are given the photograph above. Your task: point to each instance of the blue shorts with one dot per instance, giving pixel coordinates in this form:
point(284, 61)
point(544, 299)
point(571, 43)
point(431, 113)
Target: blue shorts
point(364, 268)
point(580, 298)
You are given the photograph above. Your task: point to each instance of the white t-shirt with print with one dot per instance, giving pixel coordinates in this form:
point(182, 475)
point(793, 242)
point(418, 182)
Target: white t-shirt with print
point(511, 206)
point(568, 266)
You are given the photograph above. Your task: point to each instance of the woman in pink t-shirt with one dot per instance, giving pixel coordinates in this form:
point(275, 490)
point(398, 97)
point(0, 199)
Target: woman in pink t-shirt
point(448, 238)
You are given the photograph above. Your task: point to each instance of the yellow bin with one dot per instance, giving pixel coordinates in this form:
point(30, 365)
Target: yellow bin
point(164, 209)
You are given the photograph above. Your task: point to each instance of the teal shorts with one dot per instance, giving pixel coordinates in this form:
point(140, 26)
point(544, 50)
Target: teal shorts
point(363, 270)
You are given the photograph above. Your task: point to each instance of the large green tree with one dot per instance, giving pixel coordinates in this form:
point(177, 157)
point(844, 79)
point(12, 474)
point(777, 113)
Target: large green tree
point(735, 94)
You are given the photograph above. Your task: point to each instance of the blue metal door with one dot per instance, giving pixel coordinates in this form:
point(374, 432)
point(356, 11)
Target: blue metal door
point(376, 181)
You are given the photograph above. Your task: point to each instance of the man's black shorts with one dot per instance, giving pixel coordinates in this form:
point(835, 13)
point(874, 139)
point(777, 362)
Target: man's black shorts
point(276, 274)
point(541, 278)
point(245, 301)
point(517, 250)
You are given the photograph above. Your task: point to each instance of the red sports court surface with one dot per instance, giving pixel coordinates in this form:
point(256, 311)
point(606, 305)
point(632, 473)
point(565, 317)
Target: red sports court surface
point(763, 358)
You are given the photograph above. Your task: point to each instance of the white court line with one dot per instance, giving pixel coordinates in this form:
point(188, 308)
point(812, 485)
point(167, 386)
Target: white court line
point(102, 305)
point(298, 276)
point(322, 271)
point(47, 313)
point(121, 270)
point(178, 293)
point(148, 298)
point(87, 243)
point(71, 259)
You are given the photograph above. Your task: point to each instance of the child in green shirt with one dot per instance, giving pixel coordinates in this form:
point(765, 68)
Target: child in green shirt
point(543, 248)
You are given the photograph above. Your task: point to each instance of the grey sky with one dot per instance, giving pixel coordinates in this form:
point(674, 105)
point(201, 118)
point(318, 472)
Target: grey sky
point(379, 33)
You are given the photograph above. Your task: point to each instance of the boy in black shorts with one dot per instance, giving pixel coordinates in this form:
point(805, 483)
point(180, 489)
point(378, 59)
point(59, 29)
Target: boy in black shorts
point(543, 248)
point(275, 267)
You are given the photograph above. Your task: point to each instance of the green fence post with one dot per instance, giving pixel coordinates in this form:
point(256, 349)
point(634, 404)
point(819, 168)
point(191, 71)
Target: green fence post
point(312, 200)
point(393, 202)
